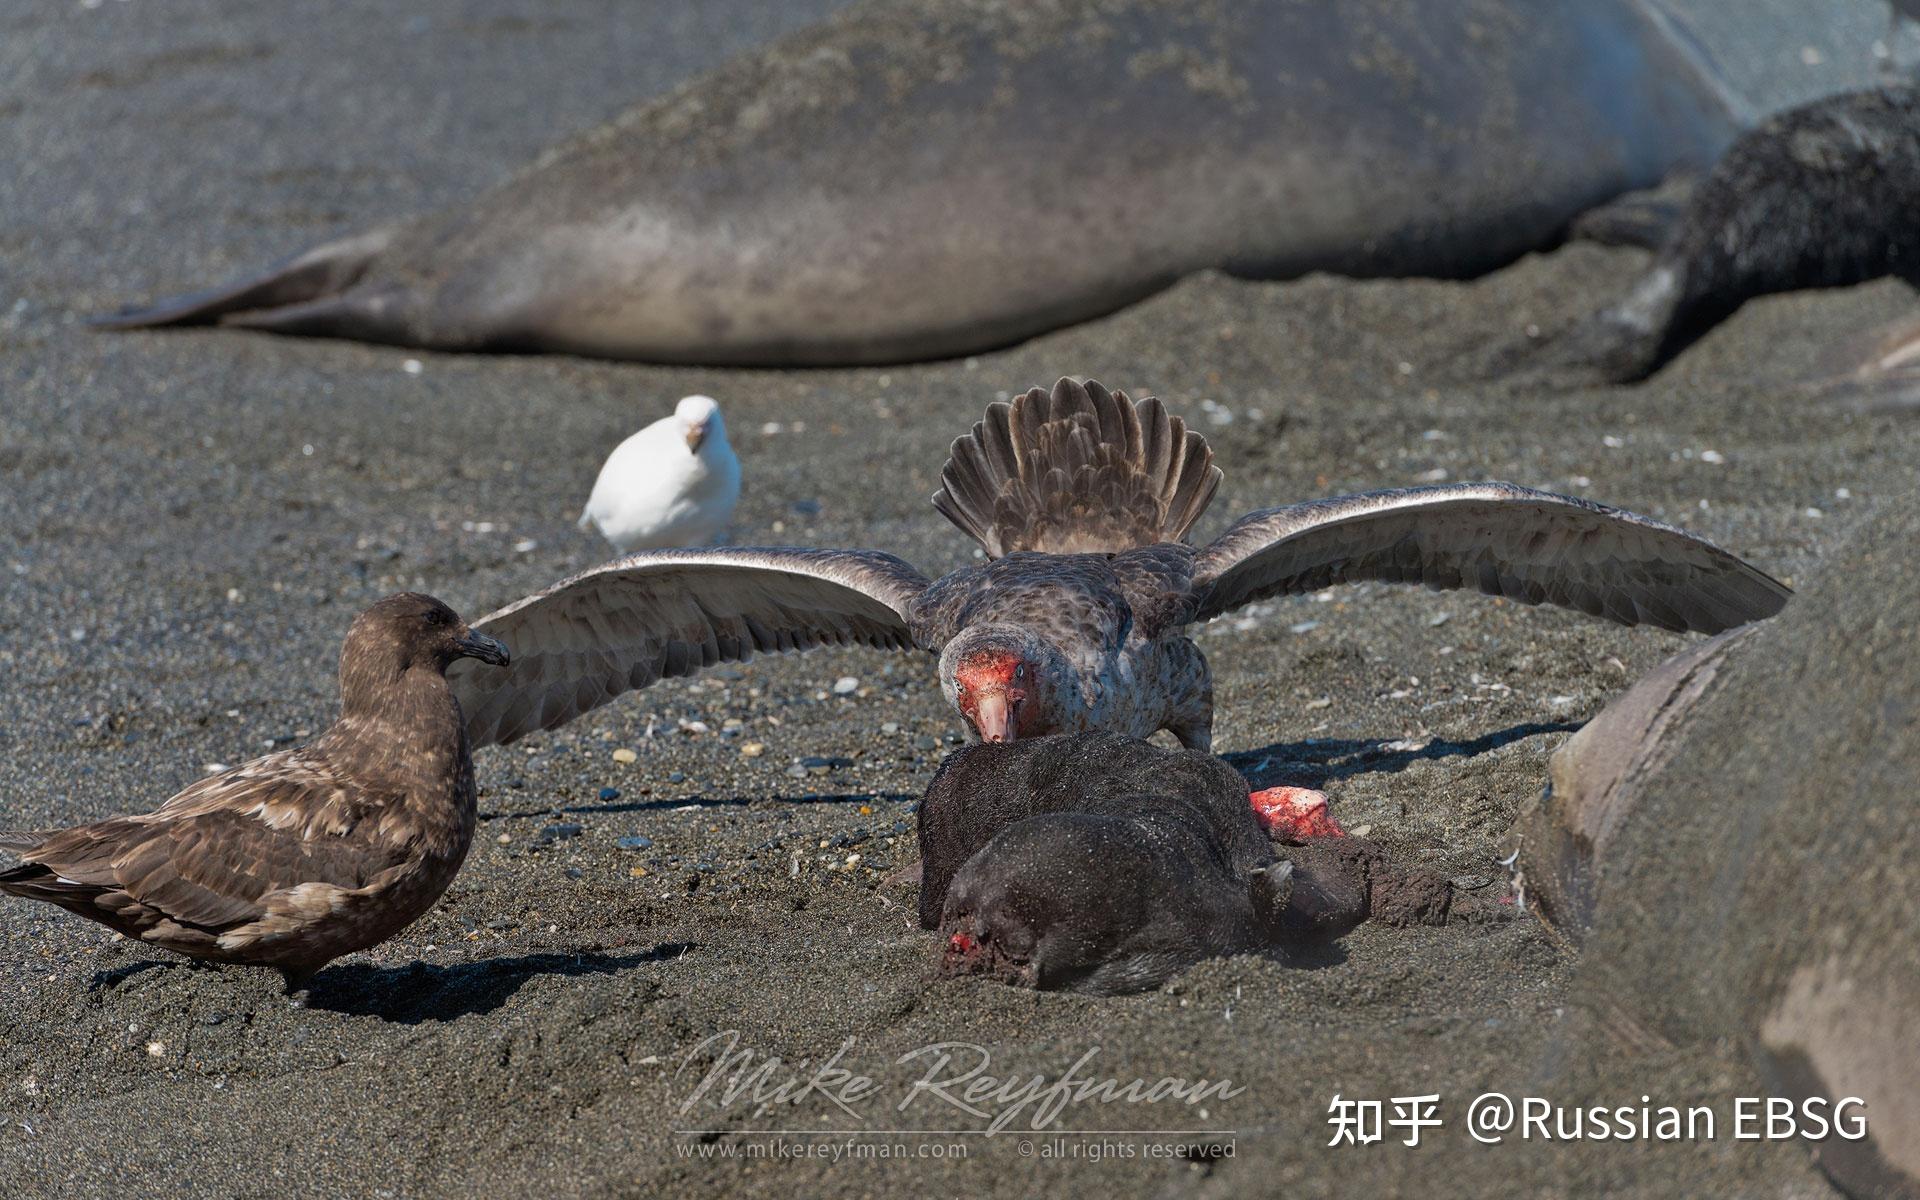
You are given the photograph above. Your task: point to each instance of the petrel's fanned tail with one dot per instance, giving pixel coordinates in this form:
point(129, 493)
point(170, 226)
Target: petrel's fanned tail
point(1077, 470)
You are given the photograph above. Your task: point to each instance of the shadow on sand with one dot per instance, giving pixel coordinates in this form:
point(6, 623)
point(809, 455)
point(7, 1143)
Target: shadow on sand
point(1318, 761)
point(420, 992)
point(671, 804)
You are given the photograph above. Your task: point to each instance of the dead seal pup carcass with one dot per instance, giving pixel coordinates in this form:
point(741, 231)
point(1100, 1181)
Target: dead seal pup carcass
point(922, 178)
point(1103, 864)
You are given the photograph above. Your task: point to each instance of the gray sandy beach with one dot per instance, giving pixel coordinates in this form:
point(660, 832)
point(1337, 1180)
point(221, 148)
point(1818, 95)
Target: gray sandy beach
point(189, 520)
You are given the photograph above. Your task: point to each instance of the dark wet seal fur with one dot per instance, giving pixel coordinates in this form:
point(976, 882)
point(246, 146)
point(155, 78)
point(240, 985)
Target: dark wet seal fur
point(1103, 864)
point(1822, 195)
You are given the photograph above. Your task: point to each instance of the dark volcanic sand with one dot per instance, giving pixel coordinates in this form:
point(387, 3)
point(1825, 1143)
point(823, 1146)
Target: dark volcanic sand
point(189, 520)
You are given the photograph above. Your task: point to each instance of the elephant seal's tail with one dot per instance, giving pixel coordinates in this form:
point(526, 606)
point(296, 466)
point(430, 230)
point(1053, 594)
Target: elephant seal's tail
point(274, 300)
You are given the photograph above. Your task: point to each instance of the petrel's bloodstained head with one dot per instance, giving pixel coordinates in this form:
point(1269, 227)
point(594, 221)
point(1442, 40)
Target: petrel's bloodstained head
point(992, 687)
point(1006, 680)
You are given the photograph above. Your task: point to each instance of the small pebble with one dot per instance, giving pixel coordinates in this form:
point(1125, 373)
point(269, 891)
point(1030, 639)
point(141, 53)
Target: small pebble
point(753, 749)
point(635, 842)
point(505, 839)
point(609, 793)
point(624, 755)
point(846, 685)
point(676, 776)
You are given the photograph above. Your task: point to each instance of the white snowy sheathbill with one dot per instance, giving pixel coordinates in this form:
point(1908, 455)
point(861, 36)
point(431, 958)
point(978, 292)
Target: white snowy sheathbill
point(672, 484)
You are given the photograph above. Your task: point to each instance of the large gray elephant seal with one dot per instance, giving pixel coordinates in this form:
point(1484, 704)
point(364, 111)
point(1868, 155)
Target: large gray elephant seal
point(1562, 841)
point(919, 178)
point(1754, 859)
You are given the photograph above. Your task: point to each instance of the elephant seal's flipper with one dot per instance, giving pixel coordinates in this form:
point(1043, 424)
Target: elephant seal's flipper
point(1646, 218)
point(324, 271)
point(1876, 372)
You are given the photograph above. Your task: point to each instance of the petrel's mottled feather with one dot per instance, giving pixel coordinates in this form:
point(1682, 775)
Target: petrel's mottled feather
point(1529, 546)
point(1079, 469)
point(662, 614)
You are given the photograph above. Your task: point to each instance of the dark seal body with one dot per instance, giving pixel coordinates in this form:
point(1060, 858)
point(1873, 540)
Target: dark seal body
point(918, 178)
point(1103, 864)
point(1818, 196)
point(1092, 862)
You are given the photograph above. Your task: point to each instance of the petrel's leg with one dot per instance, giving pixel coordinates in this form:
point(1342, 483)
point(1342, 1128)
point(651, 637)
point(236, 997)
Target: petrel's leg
point(1194, 735)
point(1292, 814)
point(1192, 718)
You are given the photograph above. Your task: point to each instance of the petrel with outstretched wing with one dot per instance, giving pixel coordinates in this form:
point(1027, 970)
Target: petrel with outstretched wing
point(1076, 621)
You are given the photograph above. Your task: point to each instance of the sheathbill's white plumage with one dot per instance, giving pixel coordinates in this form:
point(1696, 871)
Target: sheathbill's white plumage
point(672, 484)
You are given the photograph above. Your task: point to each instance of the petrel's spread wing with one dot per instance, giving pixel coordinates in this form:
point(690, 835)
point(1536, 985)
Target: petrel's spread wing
point(667, 613)
point(1529, 546)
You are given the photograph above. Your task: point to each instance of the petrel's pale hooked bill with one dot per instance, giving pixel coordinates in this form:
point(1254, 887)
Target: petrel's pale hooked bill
point(1081, 500)
point(299, 857)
